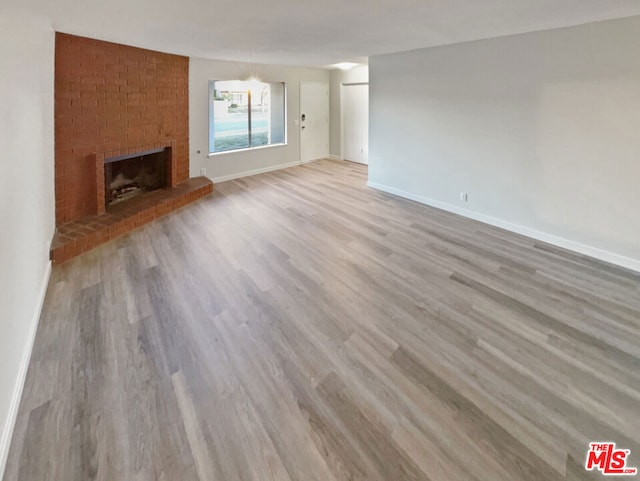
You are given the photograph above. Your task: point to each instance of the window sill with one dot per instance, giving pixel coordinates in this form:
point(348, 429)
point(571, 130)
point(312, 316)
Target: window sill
point(261, 147)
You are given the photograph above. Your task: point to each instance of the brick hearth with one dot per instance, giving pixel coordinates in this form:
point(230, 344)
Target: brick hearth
point(74, 238)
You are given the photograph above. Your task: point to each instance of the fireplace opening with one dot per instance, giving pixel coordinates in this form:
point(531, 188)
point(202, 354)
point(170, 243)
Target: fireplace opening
point(129, 176)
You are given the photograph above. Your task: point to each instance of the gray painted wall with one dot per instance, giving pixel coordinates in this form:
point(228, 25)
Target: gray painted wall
point(26, 200)
point(540, 129)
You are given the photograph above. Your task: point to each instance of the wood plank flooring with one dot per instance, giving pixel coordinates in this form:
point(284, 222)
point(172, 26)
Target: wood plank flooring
point(298, 326)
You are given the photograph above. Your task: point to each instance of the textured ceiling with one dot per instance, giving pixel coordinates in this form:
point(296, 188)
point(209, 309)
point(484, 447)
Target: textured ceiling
point(312, 33)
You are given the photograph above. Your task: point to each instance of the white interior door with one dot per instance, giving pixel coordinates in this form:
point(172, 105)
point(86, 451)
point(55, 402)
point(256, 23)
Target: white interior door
point(355, 123)
point(314, 121)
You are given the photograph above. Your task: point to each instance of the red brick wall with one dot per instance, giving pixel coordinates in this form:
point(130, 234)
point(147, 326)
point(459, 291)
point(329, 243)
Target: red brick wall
point(111, 97)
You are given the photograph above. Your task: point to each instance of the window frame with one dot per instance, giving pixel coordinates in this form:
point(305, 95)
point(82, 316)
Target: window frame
point(210, 107)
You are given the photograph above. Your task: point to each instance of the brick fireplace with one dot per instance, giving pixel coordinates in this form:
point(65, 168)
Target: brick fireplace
point(108, 165)
point(113, 102)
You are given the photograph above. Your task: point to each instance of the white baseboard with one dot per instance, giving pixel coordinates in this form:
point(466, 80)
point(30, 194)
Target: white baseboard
point(271, 168)
point(334, 157)
point(5, 441)
point(617, 259)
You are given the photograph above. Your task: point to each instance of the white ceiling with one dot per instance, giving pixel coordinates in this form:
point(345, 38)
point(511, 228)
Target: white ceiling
point(312, 33)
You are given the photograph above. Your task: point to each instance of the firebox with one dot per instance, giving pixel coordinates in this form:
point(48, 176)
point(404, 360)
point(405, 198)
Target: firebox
point(131, 175)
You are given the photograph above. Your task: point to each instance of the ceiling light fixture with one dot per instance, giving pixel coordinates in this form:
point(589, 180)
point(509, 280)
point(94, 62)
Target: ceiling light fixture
point(345, 65)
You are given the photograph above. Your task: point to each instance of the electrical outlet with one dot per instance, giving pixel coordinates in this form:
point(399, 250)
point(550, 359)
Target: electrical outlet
point(464, 197)
point(203, 171)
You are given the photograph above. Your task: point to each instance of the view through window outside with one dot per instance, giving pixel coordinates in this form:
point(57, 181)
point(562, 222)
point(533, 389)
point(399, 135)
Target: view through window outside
point(245, 114)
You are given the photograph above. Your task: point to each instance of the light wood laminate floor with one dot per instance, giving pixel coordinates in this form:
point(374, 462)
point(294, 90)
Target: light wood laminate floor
point(299, 326)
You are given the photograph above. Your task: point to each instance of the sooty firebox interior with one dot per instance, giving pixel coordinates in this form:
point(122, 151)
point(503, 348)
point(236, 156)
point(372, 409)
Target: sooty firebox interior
point(128, 176)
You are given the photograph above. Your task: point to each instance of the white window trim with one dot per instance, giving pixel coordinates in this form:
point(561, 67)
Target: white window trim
point(248, 149)
point(258, 147)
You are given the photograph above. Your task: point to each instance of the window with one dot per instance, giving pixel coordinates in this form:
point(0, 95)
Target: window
point(245, 114)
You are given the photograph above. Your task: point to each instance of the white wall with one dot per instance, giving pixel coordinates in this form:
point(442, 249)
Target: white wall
point(541, 131)
point(26, 200)
point(359, 74)
point(235, 164)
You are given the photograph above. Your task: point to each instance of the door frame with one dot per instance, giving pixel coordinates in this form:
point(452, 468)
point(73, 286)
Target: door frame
point(342, 87)
point(299, 120)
